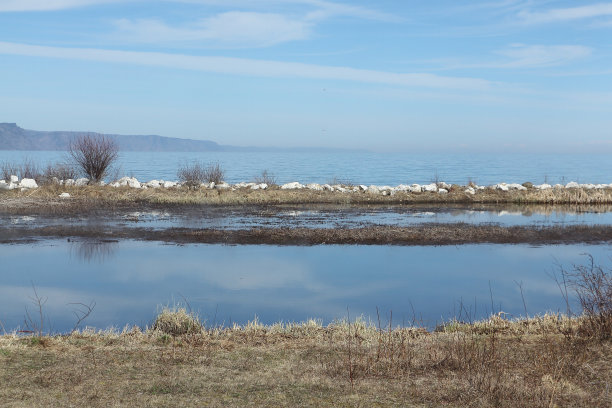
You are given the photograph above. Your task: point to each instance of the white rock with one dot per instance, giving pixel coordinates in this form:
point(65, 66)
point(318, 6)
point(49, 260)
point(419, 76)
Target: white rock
point(260, 186)
point(64, 195)
point(516, 186)
point(292, 186)
point(14, 179)
point(442, 191)
point(69, 182)
point(558, 186)
point(81, 182)
point(501, 187)
point(470, 190)
point(415, 188)
point(153, 184)
point(314, 186)
point(28, 183)
point(572, 184)
point(340, 189)
point(129, 181)
point(222, 185)
point(363, 188)
point(168, 184)
point(5, 186)
point(386, 192)
point(373, 189)
point(114, 184)
point(588, 186)
point(327, 187)
point(444, 185)
point(430, 187)
point(543, 186)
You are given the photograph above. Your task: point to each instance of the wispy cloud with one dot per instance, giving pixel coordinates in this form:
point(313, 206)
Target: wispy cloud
point(519, 56)
point(47, 5)
point(567, 14)
point(249, 67)
point(248, 27)
point(538, 56)
point(230, 29)
point(320, 8)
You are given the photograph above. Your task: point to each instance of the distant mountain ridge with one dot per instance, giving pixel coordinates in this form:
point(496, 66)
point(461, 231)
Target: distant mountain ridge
point(13, 137)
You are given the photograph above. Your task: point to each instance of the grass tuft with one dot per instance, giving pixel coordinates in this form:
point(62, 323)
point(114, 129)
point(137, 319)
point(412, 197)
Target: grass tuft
point(176, 321)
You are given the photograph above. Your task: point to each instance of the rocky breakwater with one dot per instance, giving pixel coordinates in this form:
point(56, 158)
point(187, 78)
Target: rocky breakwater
point(384, 190)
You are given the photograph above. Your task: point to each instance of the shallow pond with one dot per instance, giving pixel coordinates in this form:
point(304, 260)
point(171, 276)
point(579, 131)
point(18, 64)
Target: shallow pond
point(130, 280)
point(324, 216)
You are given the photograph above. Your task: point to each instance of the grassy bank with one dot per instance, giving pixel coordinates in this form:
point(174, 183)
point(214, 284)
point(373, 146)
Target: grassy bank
point(45, 198)
point(545, 361)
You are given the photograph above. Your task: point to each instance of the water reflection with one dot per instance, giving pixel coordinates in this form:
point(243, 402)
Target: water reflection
point(93, 250)
point(236, 283)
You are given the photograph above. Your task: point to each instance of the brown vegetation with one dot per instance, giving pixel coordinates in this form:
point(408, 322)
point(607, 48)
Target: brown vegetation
point(425, 234)
point(545, 361)
point(93, 155)
point(106, 196)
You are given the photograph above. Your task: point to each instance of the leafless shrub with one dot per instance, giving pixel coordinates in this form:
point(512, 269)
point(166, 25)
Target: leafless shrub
point(195, 173)
point(27, 169)
point(266, 178)
point(592, 285)
point(81, 312)
point(35, 325)
point(59, 171)
point(94, 155)
point(341, 181)
point(7, 170)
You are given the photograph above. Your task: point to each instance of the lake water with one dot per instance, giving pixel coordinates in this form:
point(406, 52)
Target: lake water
point(363, 167)
point(130, 280)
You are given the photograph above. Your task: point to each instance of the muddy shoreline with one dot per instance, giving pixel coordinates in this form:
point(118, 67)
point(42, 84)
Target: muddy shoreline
point(430, 234)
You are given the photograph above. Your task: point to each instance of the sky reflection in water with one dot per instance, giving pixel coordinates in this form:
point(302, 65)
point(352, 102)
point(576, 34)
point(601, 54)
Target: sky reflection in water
point(130, 280)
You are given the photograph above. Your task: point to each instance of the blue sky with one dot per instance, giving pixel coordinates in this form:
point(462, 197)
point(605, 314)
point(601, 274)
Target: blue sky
point(490, 76)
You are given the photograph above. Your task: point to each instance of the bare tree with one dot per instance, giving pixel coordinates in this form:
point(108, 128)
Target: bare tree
point(94, 154)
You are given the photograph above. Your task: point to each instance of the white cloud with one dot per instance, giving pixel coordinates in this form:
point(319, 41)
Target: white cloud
point(47, 5)
point(537, 56)
point(323, 9)
point(231, 28)
point(527, 56)
point(567, 14)
point(248, 67)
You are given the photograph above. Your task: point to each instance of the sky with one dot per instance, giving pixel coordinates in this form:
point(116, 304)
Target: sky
point(432, 76)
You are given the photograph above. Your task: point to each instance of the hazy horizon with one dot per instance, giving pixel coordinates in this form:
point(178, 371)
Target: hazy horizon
point(508, 76)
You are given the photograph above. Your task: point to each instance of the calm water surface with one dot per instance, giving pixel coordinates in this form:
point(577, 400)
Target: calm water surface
point(130, 280)
point(363, 167)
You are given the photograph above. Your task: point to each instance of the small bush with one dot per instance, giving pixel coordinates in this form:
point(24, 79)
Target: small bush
point(593, 287)
point(27, 169)
point(196, 173)
point(60, 171)
point(94, 155)
point(266, 178)
point(177, 321)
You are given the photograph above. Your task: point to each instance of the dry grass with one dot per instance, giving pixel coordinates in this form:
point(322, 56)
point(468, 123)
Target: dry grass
point(542, 361)
point(104, 196)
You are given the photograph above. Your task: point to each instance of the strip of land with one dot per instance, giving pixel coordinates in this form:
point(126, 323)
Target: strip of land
point(46, 199)
point(546, 361)
point(429, 234)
